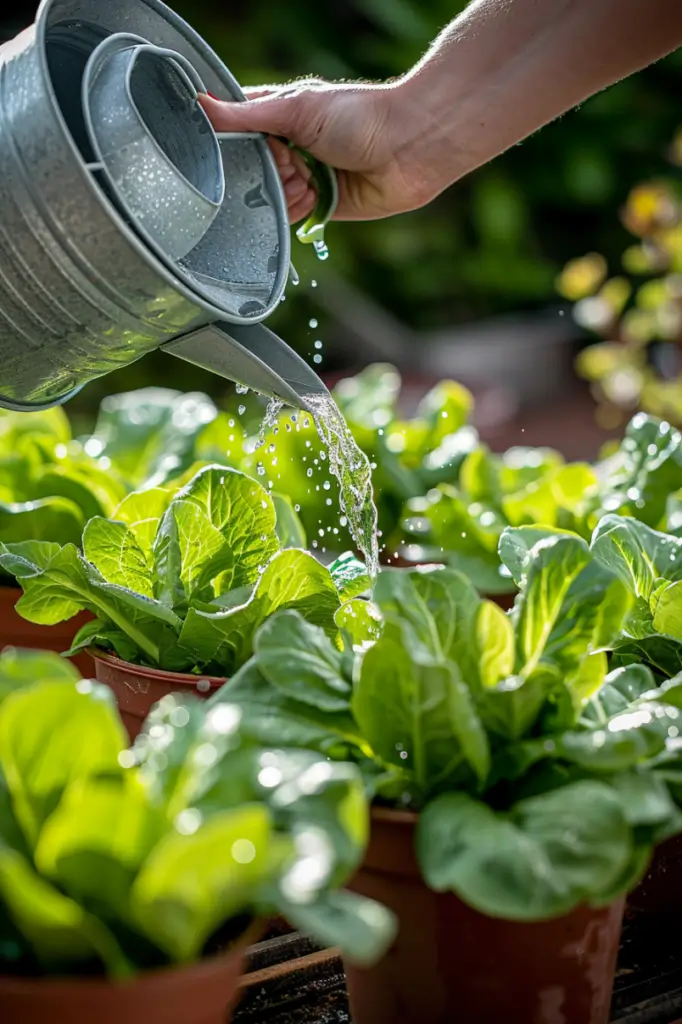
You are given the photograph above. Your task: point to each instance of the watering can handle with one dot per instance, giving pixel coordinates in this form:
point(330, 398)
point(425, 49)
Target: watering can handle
point(251, 355)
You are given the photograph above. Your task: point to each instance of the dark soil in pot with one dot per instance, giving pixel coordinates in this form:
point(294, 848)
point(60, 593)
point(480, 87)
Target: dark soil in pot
point(18, 632)
point(203, 993)
point(453, 965)
point(137, 688)
point(659, 894)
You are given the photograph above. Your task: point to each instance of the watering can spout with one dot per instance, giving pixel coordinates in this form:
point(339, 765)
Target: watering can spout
point(252, 356)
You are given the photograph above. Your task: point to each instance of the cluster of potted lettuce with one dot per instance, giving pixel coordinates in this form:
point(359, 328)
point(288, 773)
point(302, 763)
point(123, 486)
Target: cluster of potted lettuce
point(530, 772)
point(181, 580)
point(461, 523)
point(116, 863)
point(52, 483)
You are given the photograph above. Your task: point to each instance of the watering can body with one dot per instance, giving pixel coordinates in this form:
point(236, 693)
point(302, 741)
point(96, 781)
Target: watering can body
point(82, 292)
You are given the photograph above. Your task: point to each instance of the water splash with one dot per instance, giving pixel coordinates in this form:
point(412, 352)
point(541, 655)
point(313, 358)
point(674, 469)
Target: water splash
point(352, 470)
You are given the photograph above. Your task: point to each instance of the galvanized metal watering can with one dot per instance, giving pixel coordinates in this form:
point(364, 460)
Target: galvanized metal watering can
point(126, 223)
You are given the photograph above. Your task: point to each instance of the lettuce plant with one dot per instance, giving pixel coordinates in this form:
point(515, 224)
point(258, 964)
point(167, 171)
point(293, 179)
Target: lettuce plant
point(51, 483)
point(534, 794)
point(182, 581)
point(49, 486)
point(115, 861)
point(649, 563)
point(462, 523)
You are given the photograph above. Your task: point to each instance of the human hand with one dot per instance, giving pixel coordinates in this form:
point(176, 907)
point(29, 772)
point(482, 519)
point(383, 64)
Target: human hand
point(359, 130)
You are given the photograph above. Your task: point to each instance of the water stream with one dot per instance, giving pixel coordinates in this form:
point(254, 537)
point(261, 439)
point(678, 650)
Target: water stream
point(349, 464)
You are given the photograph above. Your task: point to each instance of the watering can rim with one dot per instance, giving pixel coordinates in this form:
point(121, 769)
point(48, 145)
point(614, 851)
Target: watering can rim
point(141, 44)
point(130, 46)
point(269, 168)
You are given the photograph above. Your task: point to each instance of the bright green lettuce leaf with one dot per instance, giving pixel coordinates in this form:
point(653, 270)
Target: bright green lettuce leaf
point(463, 533)
point(38, 763)
point(95, 491)
point(516, 545)
point(290, 531)
point(107, 638)
point(446, 408)
point(620, 689)
point(271, 718)
point(626, 739)
point(52, 425)
point(179, 906)
point(142, 511)
point(556, 563)
point(547, 854)
point(113, 549)
point(20, 668)
point(361, 928)
point(95, 842)
point(511, 709)
point(360, 619)
point(243, 512)
point(418, 714)
point(292, 580)
point(666, 606)
point(189, 553)
point(302, 661)
point(561, 495)
point(644, 471)
point(61, 934)
point(63, 583)
point(52, 519)
point(637, 554)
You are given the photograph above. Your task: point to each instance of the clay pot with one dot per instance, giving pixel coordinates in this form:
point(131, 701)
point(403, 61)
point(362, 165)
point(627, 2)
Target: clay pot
point(204, 993)
point(137, 688)
point(659, 894)
point(453, 965)
point(18, 632)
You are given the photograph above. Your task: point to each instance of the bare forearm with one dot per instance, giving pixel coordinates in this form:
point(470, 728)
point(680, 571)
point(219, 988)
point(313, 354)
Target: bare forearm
point(506, 67)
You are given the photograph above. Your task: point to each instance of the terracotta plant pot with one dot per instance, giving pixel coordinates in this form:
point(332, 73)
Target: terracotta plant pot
point(453, 965)
point(18, 632)
point(137, 688)
point(659, 894)
point(204, 993)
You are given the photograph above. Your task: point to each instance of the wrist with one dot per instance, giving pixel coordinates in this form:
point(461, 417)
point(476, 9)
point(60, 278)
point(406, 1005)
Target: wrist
point(425, 113)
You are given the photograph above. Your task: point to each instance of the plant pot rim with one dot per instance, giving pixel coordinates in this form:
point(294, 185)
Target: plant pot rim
point(394, 816)
point(18, 984)
point(162, 675)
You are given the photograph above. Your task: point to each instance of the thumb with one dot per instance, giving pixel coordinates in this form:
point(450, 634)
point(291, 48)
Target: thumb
point(271, 114)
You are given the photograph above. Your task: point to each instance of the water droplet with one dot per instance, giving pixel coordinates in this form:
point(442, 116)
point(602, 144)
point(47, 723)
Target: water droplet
point(241, 410)
point(242, 389)
point(312, 323)
point(318, 344)
point(317, 358)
